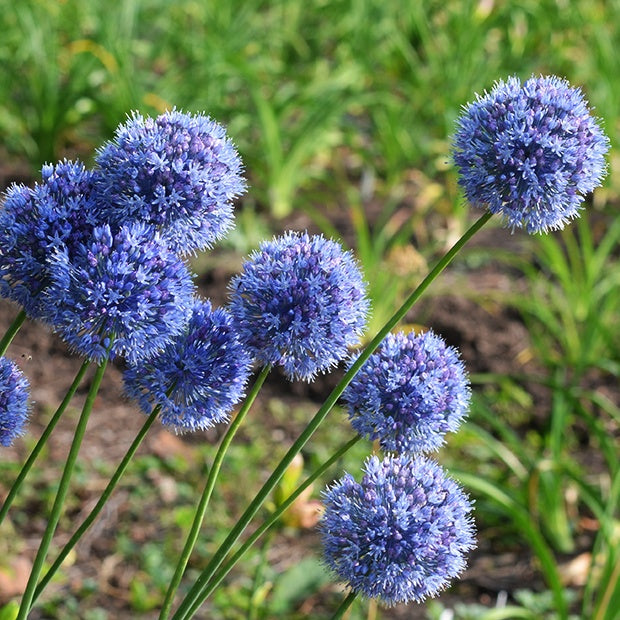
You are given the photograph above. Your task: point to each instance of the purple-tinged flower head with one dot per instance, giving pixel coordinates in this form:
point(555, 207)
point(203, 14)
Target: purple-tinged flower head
point(530, 152)
point(410, 392)
point(35, 222)
point(14, 390)
point(299, 303)
point(125, 289)
point(401, 534)
point(198, 377)
point(178, 172)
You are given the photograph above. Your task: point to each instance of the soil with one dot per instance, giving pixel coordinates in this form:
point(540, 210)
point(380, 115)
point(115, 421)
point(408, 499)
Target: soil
point(491, 338)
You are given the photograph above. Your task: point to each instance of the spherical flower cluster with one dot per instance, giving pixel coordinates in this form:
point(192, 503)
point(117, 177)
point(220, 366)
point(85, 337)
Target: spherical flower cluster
point(399, 535)
point(178, 172)
point(530, 152)
point(409, 393)
point(125, 290)
point(299, 303)
point(14, 389)
point(198, 377)
point(35, 222)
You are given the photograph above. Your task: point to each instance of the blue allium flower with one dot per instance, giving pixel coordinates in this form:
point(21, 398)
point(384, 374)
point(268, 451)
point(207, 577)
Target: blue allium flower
point(409, 393)
point(178, 172)
point(399, 535)
point(299, 303)
point(128, 286)
point(35, 222)
point(14, 389)
point(530, 152)
point(199, 377)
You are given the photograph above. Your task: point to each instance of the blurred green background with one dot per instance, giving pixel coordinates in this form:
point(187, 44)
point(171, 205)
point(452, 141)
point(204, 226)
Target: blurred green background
point(342, 112)
point(313, 93)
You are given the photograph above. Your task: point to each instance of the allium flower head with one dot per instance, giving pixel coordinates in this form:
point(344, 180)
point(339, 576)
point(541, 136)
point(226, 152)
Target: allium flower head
point(530, 152)
point(35, 222)
point(299, 303)
point(410, 392)
point(14, 389)
point(206, 368)
point(399, 535)
point(127, 285)
point(178, 172)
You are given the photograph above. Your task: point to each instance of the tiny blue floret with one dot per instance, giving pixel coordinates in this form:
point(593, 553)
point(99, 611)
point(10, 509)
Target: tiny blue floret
point(14, 390)
point(410, 392)
point(530, 152)
point(299, 303)
point(36, 222)
point(126, 289)
point(198, 378)
point(401, 534)
point(178, 172)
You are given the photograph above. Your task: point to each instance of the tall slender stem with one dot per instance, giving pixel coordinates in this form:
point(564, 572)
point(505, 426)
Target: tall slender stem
point(42, 440)
point(276, 514)
point(195, 596)
point(94, 513)
point(346, 603)
point(63, 488)
point(11, 331)
point(192, 537)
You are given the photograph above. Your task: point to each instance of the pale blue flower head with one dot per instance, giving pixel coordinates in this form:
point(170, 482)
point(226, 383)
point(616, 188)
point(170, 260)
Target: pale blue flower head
point(35, 222)
point(178, 172)
point(198, 377)
point(299, 303)
point(14, 408)
point(125, 288)
point(410, 392)
point(400, 535)
point(530, 152)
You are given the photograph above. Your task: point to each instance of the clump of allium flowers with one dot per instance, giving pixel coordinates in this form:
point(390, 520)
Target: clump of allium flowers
point(178, 172)
point(198, 377)
point(299, 303)
point(530, 152)
point(124, 290)
point(409, 393)
point(399, 535)
point(14, 390)
point(36, 222)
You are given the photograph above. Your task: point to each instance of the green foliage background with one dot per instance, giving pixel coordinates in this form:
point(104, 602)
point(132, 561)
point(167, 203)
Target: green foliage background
point(342, 110)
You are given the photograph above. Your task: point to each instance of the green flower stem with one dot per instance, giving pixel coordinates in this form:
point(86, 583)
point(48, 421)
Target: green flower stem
point(63, 488)
point(346, 603)
point(194, 597)
point(192, 537)
point(11, 331)
point(42, 441)
point(276, 514)
point(94, 513)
